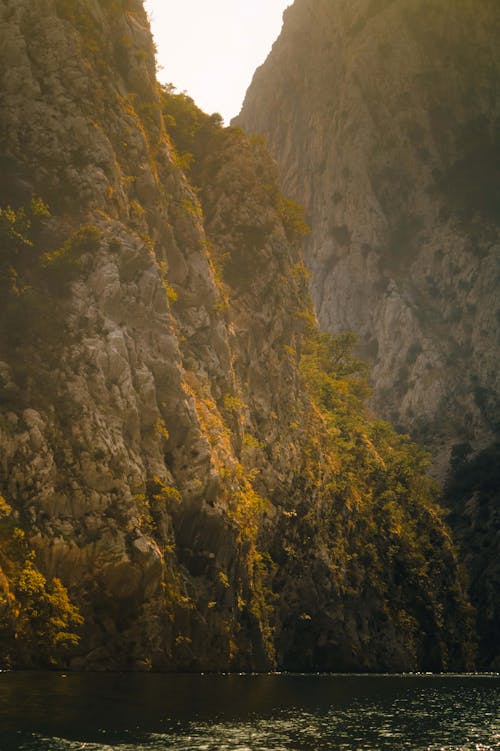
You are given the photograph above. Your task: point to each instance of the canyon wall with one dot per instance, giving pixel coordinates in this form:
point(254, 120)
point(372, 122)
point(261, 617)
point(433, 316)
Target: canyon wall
point(189, 477)
point(384, 117)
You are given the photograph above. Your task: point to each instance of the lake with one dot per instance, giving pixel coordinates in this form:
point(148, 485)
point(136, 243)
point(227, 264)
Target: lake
point(153, 712)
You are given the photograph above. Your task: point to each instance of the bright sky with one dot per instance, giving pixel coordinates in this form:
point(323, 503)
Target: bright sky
point(211, 48)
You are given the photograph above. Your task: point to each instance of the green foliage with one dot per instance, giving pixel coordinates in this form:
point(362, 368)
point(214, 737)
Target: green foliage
point(46, 615)
point(19, 230)
point(385, 526)
point(292, 216)
point(189, 127)
point(337, 382)
point(163, 494)
point(36, 271)
point(234, 404)
point(170, 292)
point(250, 443)
point(62, 265)
point(86, 239)
point(26, 264)
point(38, 621)
point(335, 378)
point(247, 511)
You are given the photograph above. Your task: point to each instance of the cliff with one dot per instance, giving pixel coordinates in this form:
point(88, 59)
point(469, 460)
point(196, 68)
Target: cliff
point(189, 476)
point(384, 118)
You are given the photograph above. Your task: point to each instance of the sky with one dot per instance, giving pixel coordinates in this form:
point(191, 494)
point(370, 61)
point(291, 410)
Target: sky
point(211, 48)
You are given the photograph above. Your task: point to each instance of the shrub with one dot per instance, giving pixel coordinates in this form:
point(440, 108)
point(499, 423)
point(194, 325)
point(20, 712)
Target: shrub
point(188, 126)
point(37, 615)
point(292, 216)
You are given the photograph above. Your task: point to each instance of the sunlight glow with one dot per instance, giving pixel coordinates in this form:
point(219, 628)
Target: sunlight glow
point(211, 50)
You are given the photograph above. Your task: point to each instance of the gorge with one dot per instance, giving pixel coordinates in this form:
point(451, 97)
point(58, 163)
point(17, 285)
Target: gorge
point(190, 476)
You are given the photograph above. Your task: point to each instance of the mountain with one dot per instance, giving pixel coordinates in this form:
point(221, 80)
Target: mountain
point(190, 478)
point(384, 118)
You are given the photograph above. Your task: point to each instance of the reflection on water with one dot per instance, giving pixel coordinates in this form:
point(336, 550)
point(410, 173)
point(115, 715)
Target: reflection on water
point(52, 712)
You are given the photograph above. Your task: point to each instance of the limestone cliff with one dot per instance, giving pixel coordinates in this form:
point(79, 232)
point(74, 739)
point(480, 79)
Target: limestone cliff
point(171, 475)
point(384, 118)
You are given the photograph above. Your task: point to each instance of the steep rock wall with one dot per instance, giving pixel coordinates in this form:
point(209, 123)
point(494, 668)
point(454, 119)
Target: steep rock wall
point(384, 118)
point(160, 452)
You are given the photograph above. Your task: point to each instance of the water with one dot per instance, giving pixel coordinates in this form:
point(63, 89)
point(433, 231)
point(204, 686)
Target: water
point(127, 712)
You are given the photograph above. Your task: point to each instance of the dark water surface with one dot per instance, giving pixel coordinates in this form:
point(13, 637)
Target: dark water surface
point(128, 712)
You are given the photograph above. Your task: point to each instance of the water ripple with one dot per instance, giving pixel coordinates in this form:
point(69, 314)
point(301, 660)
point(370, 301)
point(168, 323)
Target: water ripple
point(333, 716)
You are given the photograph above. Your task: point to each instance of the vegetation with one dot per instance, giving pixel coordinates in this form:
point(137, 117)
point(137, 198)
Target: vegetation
point(362, 493)
point(378, 509)
point(189, 127)
point(27, 264)
point(38, 621)
point(202, 147)
point(292, 216)
point(19, 231)
point(32, 270)
point(472, 493)
point(336, 380)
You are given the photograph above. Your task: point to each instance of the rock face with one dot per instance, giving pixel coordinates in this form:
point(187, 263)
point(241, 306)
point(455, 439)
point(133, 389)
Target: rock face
point(163, 460)
point(384, 118)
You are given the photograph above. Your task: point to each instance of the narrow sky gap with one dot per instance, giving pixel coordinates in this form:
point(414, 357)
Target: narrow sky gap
point(211, 50)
